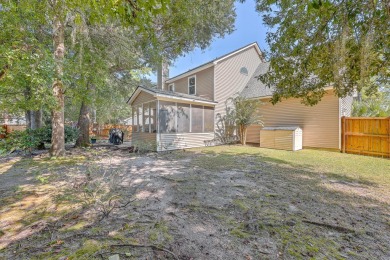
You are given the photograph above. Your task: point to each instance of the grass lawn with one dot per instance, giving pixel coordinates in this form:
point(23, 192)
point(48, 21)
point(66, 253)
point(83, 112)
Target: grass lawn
point(229, 202)
point(341, 166)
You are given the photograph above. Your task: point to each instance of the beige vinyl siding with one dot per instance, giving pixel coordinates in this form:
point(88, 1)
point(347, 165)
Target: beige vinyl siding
point(184, 140)
point(204, 84)
point(319, 123)
point(229, 80)
point(142, 98)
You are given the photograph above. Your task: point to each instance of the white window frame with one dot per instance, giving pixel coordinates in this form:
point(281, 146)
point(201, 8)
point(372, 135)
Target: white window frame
point(173, 87)
point(189, 85)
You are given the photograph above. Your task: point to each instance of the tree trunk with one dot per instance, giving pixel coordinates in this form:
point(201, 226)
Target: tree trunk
point(36, 122)
point(58, 133)
point(83, 124)
point(38, 118)
point(28, 119)
point(242, 134)
point(33, 119)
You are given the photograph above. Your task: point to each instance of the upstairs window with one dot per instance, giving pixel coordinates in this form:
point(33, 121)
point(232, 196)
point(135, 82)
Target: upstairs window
point(192, 85)
point(171, 87)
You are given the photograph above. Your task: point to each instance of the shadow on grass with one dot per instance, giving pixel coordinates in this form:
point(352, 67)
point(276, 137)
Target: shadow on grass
point(200, 207)
point(238, 160)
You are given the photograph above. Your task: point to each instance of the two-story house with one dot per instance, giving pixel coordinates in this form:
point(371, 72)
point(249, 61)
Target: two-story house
point(181, 111)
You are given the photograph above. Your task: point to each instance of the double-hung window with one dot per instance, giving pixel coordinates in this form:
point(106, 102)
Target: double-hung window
point(171, 87)
point(192, 85)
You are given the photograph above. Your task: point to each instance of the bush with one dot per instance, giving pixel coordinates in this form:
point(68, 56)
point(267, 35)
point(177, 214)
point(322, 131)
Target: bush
point(20, 140)
point(44, 134)
point(31, 139)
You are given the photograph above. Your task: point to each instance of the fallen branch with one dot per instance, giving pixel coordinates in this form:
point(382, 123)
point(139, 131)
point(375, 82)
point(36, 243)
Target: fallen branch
point(337, 228)
point(151, 246)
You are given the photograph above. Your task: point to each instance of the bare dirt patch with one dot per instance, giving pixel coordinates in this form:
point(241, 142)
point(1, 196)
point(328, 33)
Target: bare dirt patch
point(197, 204)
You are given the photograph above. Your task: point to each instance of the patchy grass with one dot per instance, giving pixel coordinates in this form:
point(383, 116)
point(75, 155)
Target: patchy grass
point(217, 162)
point(205, 203)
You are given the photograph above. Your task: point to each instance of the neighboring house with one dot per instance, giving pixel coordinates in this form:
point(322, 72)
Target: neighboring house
point(181, 111)
point(8, 119)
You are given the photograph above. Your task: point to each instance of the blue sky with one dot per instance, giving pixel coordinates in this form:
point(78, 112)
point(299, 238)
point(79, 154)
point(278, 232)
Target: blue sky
point(248, 28)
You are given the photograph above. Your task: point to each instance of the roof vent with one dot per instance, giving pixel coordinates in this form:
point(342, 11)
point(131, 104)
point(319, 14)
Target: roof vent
point(244, 71)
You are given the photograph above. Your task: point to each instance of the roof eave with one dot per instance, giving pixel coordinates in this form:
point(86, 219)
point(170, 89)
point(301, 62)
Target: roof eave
point(188, 100)
point(136, 93)
point(191, 72)
point(240, 50)
point(270, 96)
point(167, 97)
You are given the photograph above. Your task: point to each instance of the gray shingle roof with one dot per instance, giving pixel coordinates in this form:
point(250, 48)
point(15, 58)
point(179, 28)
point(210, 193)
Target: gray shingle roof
point(255, 88)
point(175, 94)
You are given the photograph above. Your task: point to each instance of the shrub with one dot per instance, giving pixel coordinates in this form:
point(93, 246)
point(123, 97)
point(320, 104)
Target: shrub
point(20, 140)
point(143, 147)
point(44, 134)
point(31, 139)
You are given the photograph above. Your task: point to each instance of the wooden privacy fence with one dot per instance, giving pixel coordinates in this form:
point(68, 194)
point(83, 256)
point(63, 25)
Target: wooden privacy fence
point(103, 131)
point(366, 135)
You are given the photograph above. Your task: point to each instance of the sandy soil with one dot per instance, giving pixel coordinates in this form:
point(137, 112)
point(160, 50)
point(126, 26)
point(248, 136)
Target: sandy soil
point(185, 205)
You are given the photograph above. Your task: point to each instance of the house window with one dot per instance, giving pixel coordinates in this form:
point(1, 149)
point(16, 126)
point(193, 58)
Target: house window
point(171, 87)
point(192, 85)
point(244, 71)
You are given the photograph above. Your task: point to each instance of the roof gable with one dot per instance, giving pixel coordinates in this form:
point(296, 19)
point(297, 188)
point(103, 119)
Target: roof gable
point(216, 61)
point(256, 88)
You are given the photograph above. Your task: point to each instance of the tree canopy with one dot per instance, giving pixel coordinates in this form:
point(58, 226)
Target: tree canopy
point(320, 43)
point(68, 53)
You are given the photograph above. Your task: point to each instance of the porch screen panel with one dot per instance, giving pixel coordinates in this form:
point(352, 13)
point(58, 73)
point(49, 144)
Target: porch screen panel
point(140, 119)
point(183, 118)
point(208, 119)
point(167, 117)
point(135, 119)
point(146, 118)
point(197, 119)
point(153, 116)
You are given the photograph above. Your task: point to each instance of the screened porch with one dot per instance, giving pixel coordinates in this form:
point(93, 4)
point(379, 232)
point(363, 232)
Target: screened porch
point(172, 125)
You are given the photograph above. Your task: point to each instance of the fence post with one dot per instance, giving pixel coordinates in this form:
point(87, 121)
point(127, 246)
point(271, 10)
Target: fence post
point(343, 134)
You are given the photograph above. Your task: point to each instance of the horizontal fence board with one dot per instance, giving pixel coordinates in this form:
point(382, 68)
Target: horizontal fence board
point(102, 131)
